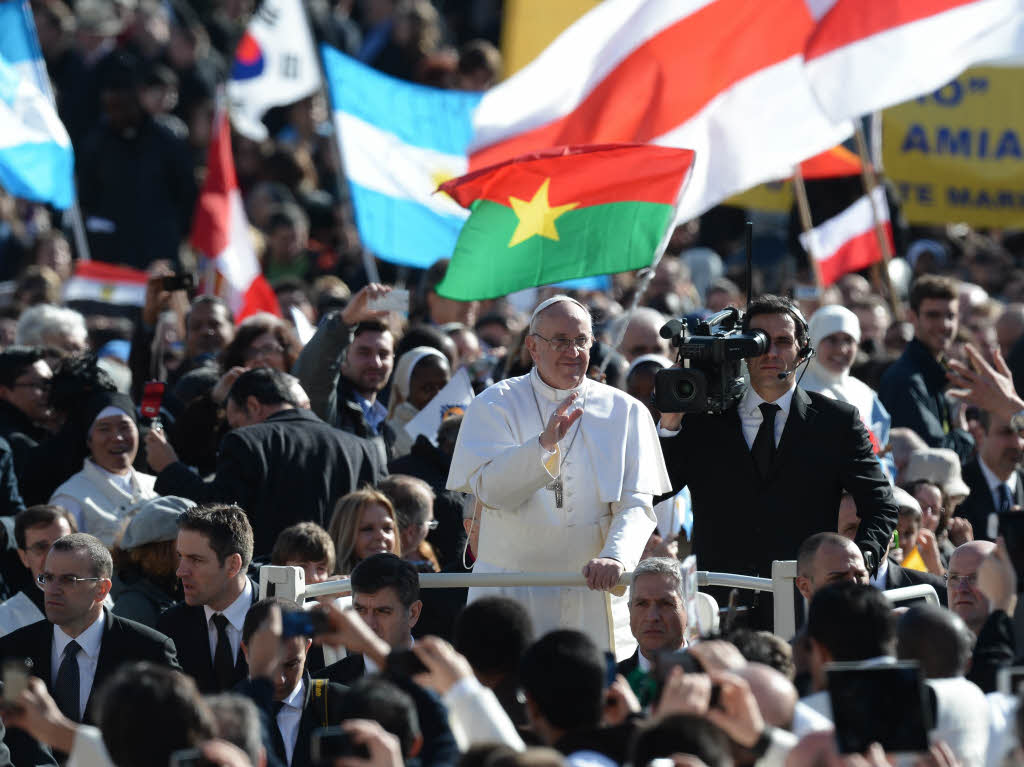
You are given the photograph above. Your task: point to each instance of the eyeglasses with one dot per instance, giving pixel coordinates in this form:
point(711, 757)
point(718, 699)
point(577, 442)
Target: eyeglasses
point(938, 510)
point(963, 580)
point(263, 351)
point(562, 345)
point(64, 581)
point(40, 384)
point(433, 524)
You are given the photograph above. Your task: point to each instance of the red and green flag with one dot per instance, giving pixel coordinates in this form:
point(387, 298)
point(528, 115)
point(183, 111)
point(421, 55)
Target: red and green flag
point(562, 214)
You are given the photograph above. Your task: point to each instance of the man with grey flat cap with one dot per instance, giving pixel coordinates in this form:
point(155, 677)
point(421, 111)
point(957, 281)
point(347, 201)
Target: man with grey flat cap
point(145, 560)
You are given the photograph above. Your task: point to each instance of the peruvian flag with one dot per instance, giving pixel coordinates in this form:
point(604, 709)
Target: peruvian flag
point(107, 283)
point(868, 54)
point(220, 231)
point(722, 77)
point(848, 242)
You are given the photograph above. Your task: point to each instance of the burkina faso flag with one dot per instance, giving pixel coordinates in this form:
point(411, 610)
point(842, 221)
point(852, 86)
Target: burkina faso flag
point(561, 214)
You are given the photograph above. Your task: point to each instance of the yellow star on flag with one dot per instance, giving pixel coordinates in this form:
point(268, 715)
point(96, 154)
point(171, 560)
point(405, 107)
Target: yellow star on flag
point(536, 216)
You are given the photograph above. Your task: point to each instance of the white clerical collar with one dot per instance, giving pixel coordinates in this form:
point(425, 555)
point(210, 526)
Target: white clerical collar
point(89, 640)
point(236, 611)
point(550, 393)
point(751, 400)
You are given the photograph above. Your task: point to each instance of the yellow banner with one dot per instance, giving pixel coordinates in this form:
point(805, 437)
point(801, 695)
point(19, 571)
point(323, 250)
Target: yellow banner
point(529, 26)
point(957, 155)
point(774, 196)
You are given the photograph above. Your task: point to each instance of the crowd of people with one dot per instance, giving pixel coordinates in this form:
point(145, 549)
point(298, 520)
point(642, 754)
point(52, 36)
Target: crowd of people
point(876, 442)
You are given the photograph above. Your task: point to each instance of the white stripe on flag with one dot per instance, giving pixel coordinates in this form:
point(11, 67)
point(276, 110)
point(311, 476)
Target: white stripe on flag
point(581, 65)
point(380, 161)
point(123, 293)
point(900, 63)
point(828, 237)
point(733, 152)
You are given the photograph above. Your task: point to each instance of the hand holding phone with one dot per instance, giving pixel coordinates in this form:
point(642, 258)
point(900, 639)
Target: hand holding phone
point(879, 704)
point(303, 623)
point(396, 300)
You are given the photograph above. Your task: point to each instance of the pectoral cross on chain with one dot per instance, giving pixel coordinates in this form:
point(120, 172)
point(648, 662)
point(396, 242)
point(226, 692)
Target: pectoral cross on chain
point(556, 487)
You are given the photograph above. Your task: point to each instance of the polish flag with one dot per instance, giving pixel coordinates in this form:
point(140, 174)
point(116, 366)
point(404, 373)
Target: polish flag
point(848, 242)
point(107, 283)
point(868, 54)
point(220, 232)
point(722, 77)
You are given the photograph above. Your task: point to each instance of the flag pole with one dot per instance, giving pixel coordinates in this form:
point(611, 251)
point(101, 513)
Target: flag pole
point(803, 207)
point(870, 181)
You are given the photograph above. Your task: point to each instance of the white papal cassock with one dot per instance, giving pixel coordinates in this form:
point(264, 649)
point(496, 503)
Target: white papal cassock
point(611, 467)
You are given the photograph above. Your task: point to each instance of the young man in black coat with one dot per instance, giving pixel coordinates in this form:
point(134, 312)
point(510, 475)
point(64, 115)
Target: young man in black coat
point(770, 471)
point(298, 704)
point(214, 547)
point(280, 463)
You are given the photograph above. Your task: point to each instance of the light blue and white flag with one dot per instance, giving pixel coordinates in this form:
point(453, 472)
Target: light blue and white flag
point(398, 142)
point(36, 159)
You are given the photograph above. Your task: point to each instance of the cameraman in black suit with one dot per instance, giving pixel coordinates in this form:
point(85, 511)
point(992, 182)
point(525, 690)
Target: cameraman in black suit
point(769, 472)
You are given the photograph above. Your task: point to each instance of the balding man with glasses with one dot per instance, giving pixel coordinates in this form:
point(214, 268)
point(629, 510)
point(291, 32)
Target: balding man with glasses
point(80, 643)
point(565, 468)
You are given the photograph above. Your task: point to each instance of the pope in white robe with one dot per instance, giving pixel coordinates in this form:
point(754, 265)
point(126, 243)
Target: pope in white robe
point(566, 469)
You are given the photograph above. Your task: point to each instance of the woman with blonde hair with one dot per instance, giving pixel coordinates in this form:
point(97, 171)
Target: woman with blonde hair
point(363, 524)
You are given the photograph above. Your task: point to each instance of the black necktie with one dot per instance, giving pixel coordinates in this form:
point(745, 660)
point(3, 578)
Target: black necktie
point(67, 690)
point(223, 658)
point(1005, 499)
point(763, 449)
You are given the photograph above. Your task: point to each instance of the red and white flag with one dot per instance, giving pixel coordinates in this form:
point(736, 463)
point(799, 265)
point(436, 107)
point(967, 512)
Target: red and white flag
point(848, 242)
point(868, 54)
point(108, 283)
point(220, 231)
point(722, 77)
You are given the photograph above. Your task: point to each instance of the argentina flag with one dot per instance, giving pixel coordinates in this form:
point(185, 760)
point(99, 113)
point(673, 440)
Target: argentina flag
point(36, 159)
point(398, 142)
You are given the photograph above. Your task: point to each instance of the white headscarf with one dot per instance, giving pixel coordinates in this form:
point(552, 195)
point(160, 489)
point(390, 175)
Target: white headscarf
point(841, 386)
point(407, 364)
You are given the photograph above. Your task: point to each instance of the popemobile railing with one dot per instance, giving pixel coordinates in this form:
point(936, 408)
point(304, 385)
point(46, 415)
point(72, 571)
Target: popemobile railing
point(289, 583)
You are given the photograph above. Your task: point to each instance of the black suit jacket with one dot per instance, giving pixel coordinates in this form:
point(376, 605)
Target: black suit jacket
point(346, 671)
point(979, 504)
point(124, 641)
point(290, 468)
point(186, 626)
point(741, 522)
point(896, 577)
point(313, 715)
point(629, 665)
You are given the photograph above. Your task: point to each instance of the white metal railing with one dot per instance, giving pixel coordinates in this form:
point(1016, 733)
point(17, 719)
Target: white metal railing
point(289, 583)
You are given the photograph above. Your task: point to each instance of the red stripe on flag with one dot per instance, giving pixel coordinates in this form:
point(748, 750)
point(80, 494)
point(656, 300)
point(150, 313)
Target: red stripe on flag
point(851, 20)
point(592, 175)
point(260, 297)
point(99, 270)
point(832, 163)
point(672, 76)
point(210, 223)
point(855, 254)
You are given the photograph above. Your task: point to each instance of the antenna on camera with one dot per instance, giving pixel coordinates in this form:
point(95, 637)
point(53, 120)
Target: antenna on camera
point(750, 260)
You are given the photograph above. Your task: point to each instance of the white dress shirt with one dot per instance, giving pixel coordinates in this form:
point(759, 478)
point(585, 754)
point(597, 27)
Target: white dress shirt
point(994, 482)
point(235, 613)
point(881, 579)
point(750, 415)
point(288, 718)
point(89, 641)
